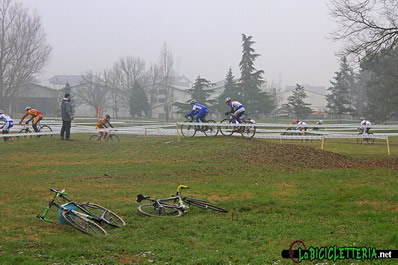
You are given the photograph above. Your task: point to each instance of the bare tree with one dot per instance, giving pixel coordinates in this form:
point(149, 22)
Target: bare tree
point(115, 94)
point(367, 26)
point(166, 63)
point(93, 90)
point(127, 71)
point(23, 48)
point(155, 78)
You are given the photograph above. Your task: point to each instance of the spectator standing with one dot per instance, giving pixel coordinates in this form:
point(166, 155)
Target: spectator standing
point(67, 117)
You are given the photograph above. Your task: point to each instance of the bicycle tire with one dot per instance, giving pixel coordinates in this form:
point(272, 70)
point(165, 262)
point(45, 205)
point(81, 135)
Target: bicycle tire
point(359, 140)
point(83, 224)
point(370, 140)
point(45, 128)
point(93, 137)
point(25, 130)
point(212, 130)
point(188, 130)
point(227, 130)
point(113, 138)
point(100, 211)
point(149, 209)
point(205, 205)
point(248, 132)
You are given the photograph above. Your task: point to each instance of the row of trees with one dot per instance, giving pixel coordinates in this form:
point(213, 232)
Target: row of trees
point(246, 89)
point(130, 84)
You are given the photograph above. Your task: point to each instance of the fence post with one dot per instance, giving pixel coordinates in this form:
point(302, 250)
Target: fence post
point(145, 134)
point(388, 147)
point(323, 142)
point(178, 134)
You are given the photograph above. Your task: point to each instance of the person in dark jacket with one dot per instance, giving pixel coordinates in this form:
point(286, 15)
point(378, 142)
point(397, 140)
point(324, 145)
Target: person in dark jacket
point(67, 117)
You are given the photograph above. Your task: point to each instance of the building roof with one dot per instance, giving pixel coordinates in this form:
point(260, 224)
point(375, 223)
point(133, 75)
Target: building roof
point(73, 80)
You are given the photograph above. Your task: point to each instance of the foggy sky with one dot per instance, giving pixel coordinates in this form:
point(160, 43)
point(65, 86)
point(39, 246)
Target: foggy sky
point(204, 35)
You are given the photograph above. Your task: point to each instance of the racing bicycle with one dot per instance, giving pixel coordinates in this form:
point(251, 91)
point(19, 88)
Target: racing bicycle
point(174, 206)
point(110, 137)
point(42, 128)
point(88, 217)
point(365, 140)
point(190, 130)
point(232, 127)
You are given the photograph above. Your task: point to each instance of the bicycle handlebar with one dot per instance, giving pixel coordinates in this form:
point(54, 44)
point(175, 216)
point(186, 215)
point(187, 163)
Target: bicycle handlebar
point(62, 192)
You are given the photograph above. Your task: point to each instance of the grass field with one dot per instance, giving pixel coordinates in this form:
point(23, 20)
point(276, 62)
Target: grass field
point(276, 193)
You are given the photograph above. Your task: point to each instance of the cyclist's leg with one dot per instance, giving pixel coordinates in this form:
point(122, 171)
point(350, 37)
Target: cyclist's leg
point(35, 122)
point(200, 116)
point(238, 113)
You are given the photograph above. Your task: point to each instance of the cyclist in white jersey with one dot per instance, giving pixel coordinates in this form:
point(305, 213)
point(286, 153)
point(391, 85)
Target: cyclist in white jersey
point(364, 122)
point(8, 123)
point(237, 110)
point(302, 126)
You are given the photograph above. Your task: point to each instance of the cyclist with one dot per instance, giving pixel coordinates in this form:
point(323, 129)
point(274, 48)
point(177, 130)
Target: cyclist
point(198, 110)
point(320, 122)
point(237, 110)
point(101, 124)
point(36, 116)
point(365, 130)
point(302, 126)
point(8, 123)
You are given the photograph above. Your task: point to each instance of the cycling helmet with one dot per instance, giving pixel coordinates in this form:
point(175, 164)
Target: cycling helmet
point(192, 101)
point(107, 116)
point(228, 100)
point(362, 118)
point(27, 108)
point(1, 112)
point(320, 121)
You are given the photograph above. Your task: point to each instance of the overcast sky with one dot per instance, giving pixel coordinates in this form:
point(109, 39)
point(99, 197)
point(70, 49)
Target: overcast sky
point(204, 35)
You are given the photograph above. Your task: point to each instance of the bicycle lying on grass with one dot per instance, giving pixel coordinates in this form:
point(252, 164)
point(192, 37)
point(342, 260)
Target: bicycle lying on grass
point(173, 206)
point(110, 137)
point(42, 128)
point(190, 130)
point(87, 218)
point(245, 131)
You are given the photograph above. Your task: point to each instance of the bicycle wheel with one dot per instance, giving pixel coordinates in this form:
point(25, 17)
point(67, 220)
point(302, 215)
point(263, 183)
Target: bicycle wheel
point(359, 139)
point(212, 130)
point(93, 137)
point(25, 130)
point(248, 131)
point(46, 129)
point(102, 212)
point(226, 130)
point(153, 210)
point(83, 224)
point(369, 140)
point(204, 205)
point(113, 138)
point(188, 130)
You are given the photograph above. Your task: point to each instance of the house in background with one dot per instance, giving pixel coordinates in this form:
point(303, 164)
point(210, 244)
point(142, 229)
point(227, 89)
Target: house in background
point(43, 98)
point(316, 96)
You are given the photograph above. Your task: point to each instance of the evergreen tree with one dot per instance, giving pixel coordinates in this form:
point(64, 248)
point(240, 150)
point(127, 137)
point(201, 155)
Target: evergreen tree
point(139, 105)
point(296, 103)
point(250, 81)
point(340, 97)
point(231, 89)
point(381, 86)
point(200, 91)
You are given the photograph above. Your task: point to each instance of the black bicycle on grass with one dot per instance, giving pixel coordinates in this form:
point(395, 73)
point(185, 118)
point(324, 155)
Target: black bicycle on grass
point(88, 217)
point(190, 130)
point(231, 127)
point(174, 206)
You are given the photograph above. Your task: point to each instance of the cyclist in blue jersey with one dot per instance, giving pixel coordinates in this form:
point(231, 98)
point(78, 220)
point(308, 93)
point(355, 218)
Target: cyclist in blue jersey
point(8, 123)
point(237, 110)
point(198, 110)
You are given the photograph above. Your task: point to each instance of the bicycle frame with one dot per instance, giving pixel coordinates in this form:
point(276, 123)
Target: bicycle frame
point(162, 203)
point(87, 214)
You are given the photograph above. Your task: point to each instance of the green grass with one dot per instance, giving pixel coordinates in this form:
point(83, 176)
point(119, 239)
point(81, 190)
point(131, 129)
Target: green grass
point(271, 202)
